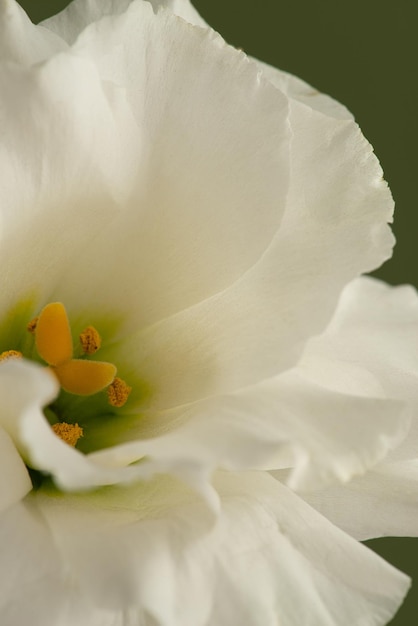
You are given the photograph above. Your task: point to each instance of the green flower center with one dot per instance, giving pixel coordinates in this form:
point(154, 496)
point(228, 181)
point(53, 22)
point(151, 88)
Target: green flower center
point(53, 343)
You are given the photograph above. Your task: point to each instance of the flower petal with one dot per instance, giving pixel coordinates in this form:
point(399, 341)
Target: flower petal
point(182, 8)
point(374, 330)
point(80, 13)
point(214, 145)
point(330, 233)
point(324, 436)
point(35, 588)
point(77, 15)
point(268, 558)
point(21, 41)
point(376, 327)
point(299, 90)
point(383, 502)
point(64, 133)
point(15, 482)
point(25, 389)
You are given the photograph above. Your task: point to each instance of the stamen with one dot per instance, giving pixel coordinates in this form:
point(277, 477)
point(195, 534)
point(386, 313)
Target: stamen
point(53, 334)
point(90, 340)
point(10, 354)
point(31, 327)
point(84, 378)
point(70, 433)
point(118, 392)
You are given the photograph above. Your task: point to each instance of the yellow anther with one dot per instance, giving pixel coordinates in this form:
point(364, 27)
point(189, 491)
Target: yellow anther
point(53, 334)
point(90, 340)
point(118, 392)
point(31, 327)
point(10, 354)
point(84, 378)
point(70, 433)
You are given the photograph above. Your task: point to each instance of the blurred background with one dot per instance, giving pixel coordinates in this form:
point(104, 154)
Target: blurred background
point(363, 53)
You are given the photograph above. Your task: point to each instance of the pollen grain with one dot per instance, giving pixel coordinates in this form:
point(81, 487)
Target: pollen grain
point(31, 326)
point(10, 354)
point(70, 433)
point(118, 392)
point(90, 340)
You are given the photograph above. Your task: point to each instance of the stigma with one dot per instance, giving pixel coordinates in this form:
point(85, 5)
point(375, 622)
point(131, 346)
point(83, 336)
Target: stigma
point(54, 345)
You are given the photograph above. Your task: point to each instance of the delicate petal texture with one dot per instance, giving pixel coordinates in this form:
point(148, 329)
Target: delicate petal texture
point(376, 327)
point(79, 14)
point(383, 502)
point(375, 330)
point(286, 422)
point(196, 231)
point(20, 40)
point(25, 389)
point(199, 239)
point(14, 478)
point(289, 84)
point(297, 89)
point(173, 565)
point(207, 211)
point(55, 204)
point(34, 585)
point(328, 235)
point(182, 8)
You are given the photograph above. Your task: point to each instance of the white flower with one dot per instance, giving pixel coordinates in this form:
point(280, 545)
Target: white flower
point(204, 213)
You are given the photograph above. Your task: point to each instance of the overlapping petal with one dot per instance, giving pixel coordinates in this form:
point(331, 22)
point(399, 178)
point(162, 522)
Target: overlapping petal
point(15, 482)
point(21, 41)
point(374, 331)
point(165, 559)
point(213, 246)
point(190, 229)
point(257, 327)
point(62, 178)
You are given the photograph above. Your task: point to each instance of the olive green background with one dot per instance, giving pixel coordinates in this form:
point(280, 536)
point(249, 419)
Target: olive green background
point(364, 53)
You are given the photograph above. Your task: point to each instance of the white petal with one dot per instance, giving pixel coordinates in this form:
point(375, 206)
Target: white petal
point(15, 482)
point(330, 233)
point(289, 84)
point(80, 13)
point(182, 8)
point(24, 387)
point(324, 436)
point(70, 22)
point(34, 582)
point(374, 331)
point(267, 559)
point(269, 311)
point(383, 502)
point(299, 90)
point(20, 40)
point(376, 327)
point(25, 390)
point(214, 147)
point(62, 172)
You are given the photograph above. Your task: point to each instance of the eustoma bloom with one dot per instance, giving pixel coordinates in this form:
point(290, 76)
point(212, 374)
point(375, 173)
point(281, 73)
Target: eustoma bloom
point(191, 367)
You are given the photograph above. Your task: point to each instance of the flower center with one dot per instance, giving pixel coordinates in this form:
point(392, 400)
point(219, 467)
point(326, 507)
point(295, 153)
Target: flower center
point(76, 376)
